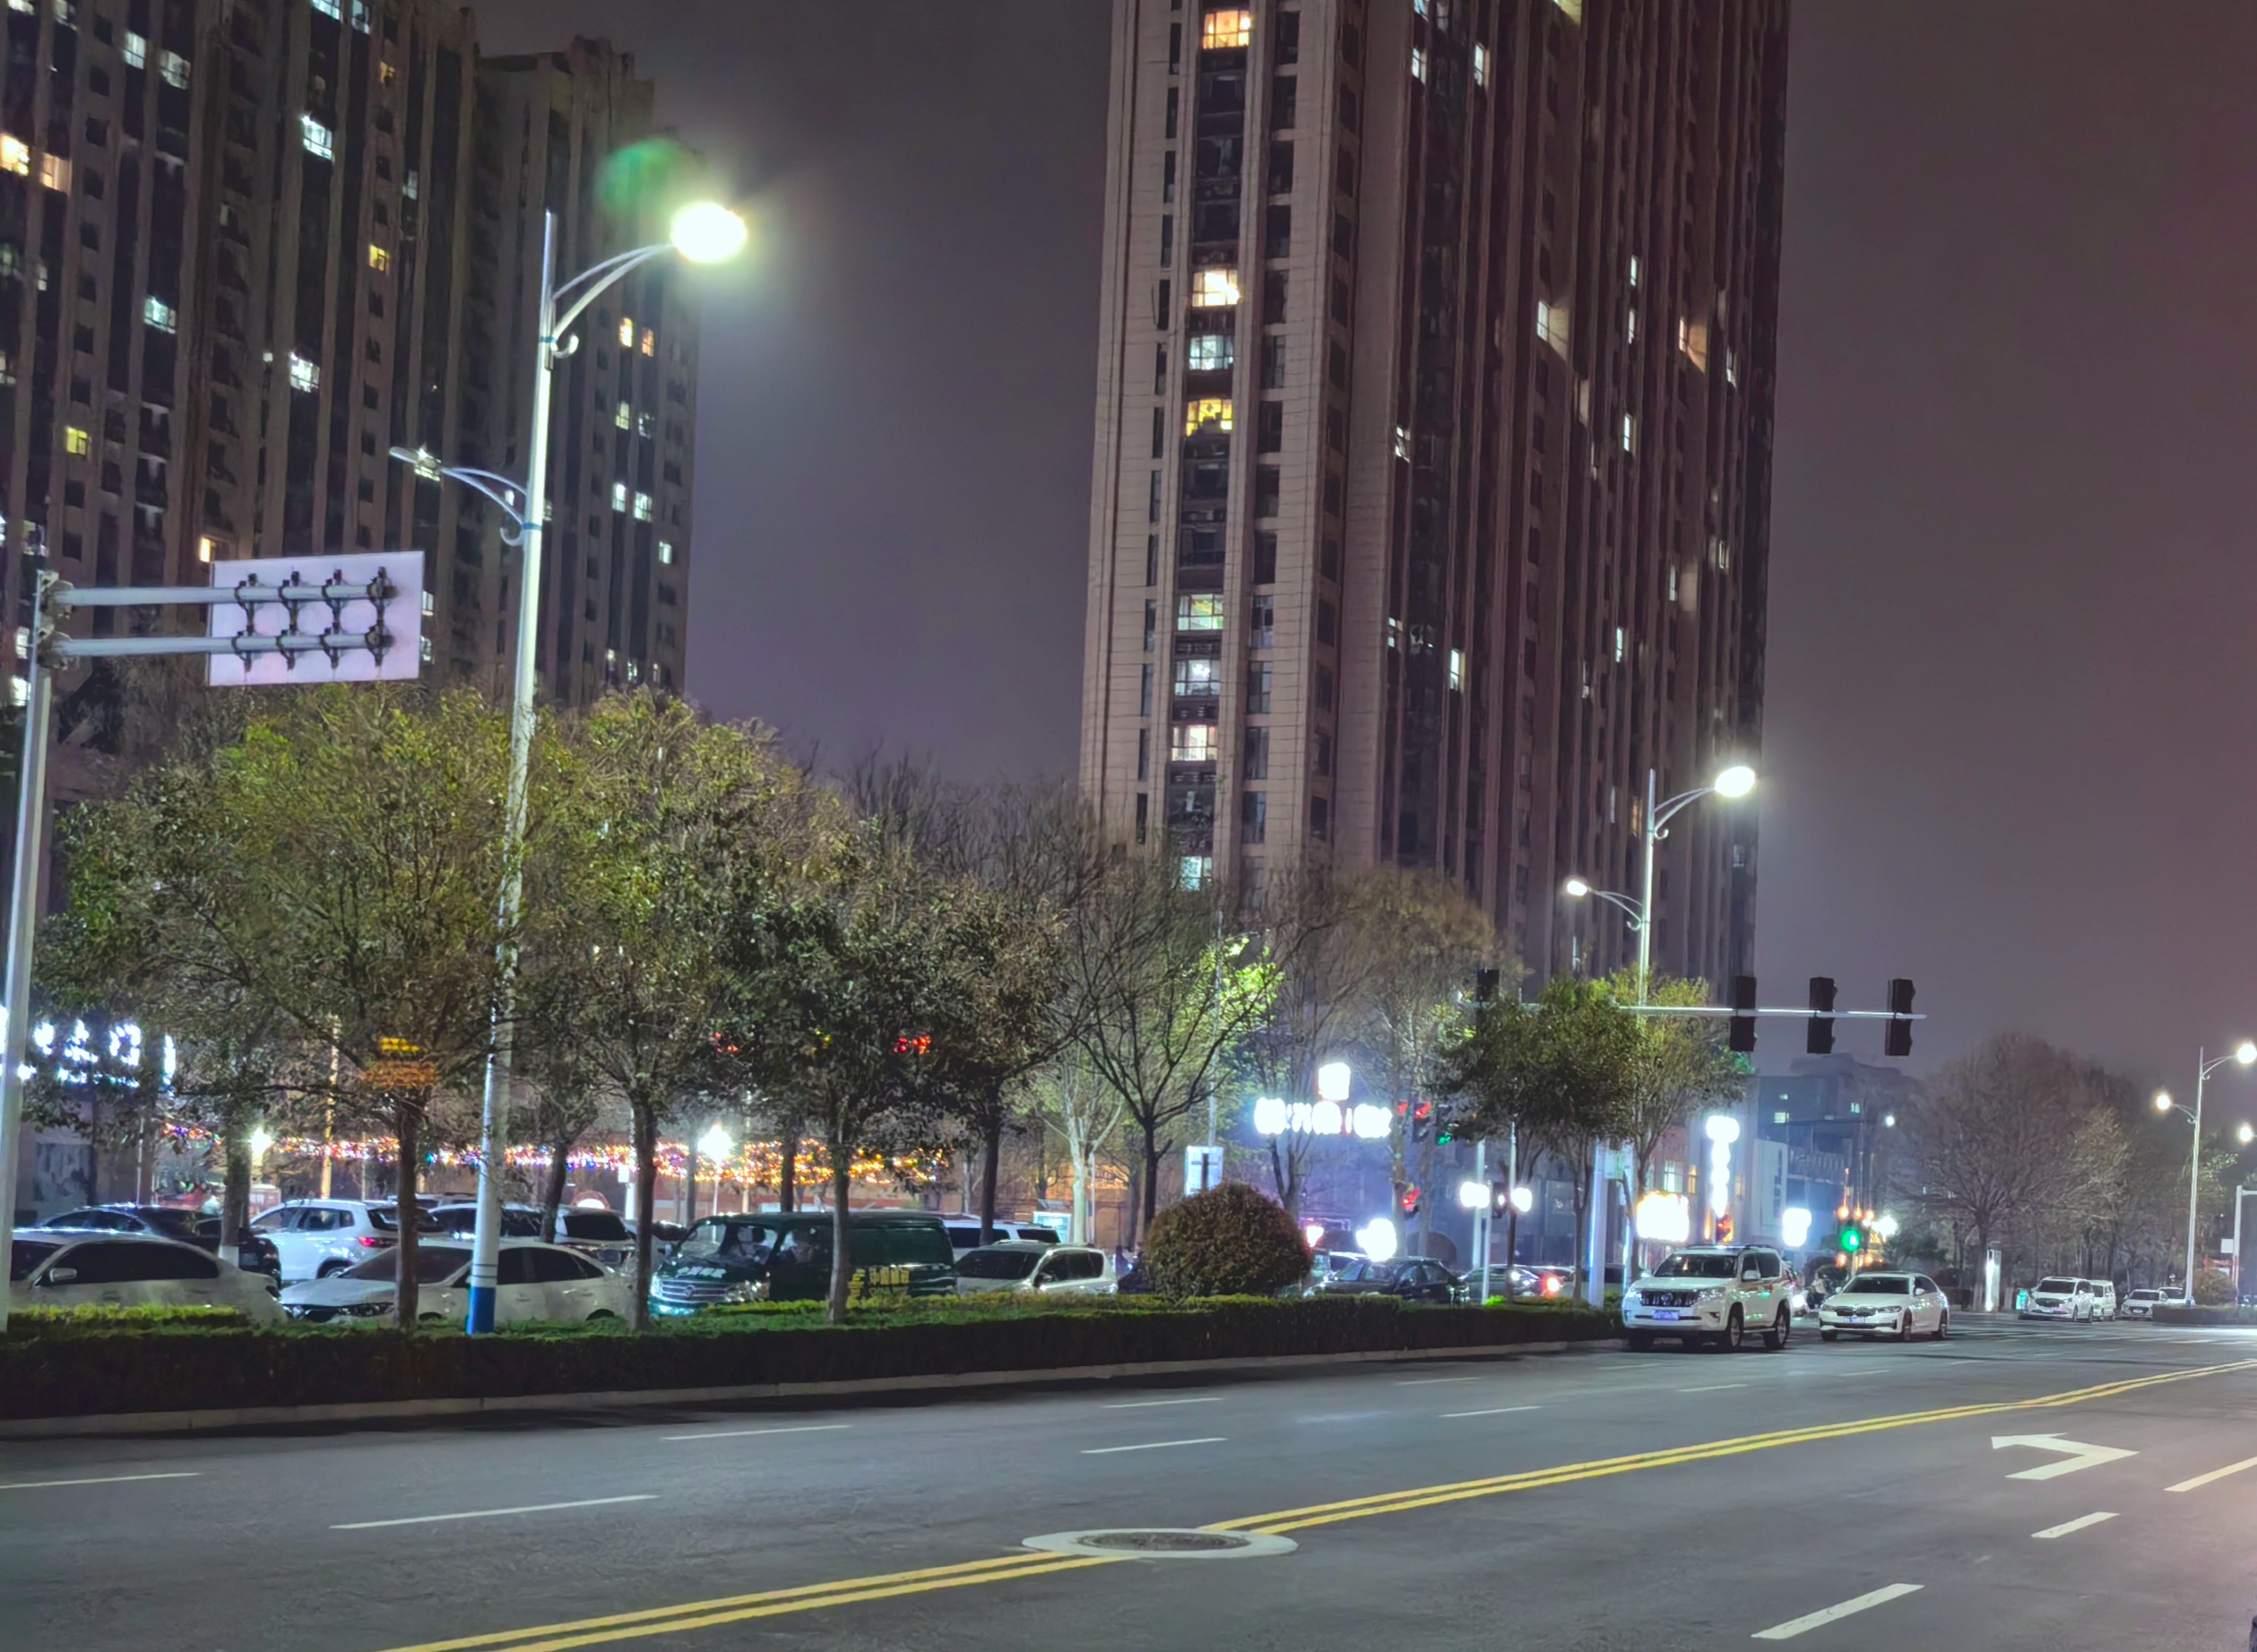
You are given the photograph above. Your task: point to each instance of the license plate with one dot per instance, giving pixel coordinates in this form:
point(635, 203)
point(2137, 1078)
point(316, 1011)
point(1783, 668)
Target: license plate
point(1665, 1313)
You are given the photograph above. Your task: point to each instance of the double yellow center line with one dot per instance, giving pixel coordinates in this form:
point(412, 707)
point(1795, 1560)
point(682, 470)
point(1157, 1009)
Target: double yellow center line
point(850, 1591)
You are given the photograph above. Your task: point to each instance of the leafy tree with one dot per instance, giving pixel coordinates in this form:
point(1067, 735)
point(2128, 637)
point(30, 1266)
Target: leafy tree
point(1683, 1067)
point(1086, 1114)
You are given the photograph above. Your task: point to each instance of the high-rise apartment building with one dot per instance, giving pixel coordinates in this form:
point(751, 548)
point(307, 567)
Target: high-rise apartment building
point(1433, 447)
point(249, 247)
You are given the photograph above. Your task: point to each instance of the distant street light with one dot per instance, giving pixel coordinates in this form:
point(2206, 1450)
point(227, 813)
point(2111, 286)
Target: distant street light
point(2244, 1054)
point(2246, 1134)
point(704, 233)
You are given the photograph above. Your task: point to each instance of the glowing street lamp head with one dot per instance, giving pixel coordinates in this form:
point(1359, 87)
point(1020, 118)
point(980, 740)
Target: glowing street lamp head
point(2163, 1101)
point(708, 232)
point(2246, 1134)
point(1577, 889)
point(2245, 1052)
point(1334, 1080)
point(261, 1140)
point(714, 1143)
point(1735, 782)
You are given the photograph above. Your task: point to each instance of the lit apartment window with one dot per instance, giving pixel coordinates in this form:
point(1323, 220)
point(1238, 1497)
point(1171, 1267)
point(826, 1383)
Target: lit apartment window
point(1551, 325)
point(1394, 632)
point(1722, 554)
point(160, 314)
point(205, 549)
point(1197, 870)
point(643, 426)
point(1731, 368)
point(1214, 289)
point(1193, 742)
point(627, 332)
point(379, 259)
point(411, 185)
point(1209, 352)
point(55, 172)
point(1222, 30)
point(1629, 433)
point(1618, 641)
point(1481, 64)
point(618, 496)
point(1199, 611)
point(625, 417)
point(319, 140)
point(63, 11)
point(173, 68)
point(1692, 342)
point(1198, 679)
point(1209, 415)
point(1573, 8)
point(303, 374)
point(361, 16)
point(666, 553)
point(650, 342)
point(136, 50)
point(75, 440)
point(1673, 581)
point(1630, 327)
point(1634, 268)
point(15, 154)
point(1402, 443)
point(1457, 668)
point(387, 73)
point(1418, 63)
point(642, 507)
point(329, 8)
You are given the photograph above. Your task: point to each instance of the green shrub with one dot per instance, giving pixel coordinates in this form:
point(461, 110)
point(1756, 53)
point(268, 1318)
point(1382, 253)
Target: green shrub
point(1230, 1241)
point(2213, 1289)
point(64, 1321)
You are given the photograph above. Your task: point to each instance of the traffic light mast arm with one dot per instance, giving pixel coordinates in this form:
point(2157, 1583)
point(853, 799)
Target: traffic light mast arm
point(1800, 1014)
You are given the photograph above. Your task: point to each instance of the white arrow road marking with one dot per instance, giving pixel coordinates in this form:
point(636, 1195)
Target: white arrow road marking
point(1793, 1627)
point(2075, 1454)
point(2077, 1525)
point(2184, 1485)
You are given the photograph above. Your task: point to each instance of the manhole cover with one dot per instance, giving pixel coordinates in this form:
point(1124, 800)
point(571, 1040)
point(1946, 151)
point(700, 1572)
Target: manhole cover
point(1162, 1544)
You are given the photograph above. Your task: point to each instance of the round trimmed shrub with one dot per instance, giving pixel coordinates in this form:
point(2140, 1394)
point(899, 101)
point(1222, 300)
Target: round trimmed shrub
point(1230, 1241)
point(2213, 1289)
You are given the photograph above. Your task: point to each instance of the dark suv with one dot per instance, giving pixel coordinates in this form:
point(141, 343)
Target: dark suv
point(748, 1258)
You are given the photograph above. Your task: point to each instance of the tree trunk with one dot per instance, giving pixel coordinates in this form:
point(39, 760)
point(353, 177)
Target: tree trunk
point(235, 1194)
point(644, 1131)
point(1133, 1210)
point(842, 1233)
point(787, 1168)
point(1152, 1151)
point(991, 1170)
point(1085, 1219)
point(409, 1214)
point(552, 1195)
point(1512, 1248)
point(145, 1167)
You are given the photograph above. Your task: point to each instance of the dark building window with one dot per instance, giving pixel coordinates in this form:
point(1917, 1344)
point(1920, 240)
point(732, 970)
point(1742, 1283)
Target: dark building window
point(1254, 762)
point(1284, 92)
point(1271, 434)
point(1266, 558)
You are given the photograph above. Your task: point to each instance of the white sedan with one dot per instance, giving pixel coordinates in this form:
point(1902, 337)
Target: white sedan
point(1023, 1265)
point(536, 1281)
point(1899, 1305)
point(56, 1267)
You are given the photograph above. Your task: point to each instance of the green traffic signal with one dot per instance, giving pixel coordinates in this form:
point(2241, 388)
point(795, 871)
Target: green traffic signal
point(1851, 1239)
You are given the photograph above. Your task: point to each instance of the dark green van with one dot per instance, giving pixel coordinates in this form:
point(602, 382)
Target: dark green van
point(768, 1257)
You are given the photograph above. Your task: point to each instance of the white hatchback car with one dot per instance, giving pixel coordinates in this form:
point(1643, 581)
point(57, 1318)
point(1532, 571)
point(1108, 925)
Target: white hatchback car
point(2140, 1304)
point(317, 1237)
point(537, 1282)
point(1020, 1265)
point(1899, 1305)
point(52, 1267)
point(2059, 1298)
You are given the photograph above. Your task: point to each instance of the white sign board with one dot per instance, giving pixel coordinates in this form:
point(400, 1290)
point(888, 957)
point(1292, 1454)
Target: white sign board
point(1202, 1168)
point(344, 625)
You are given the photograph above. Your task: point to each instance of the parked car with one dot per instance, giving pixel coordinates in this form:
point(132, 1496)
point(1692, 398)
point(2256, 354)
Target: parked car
point(2103, 1293)
point(1324, 1264)
point(317, 1237)
point(1028, 1266)
point(2058, 1299)
point(1718, 1294)
point(1132, 1278)
point(255, 1252)
point(598, 1234)
point(534, 1281)
point(1899, 1305)
point(1414, 1279)
point(753, 1258)
point(66, 1268)
point(2140, 1303)
point(963, 1234)
point(518, 1220)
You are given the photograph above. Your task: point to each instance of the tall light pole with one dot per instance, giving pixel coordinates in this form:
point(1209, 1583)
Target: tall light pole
point(704, 233)
point(1735, 782)
point(2243, 1053)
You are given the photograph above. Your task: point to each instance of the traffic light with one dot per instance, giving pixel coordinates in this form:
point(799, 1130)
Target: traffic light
point(1743, 1014)
point(1410, 1201)
point(1421, 1120)
point(1821, 1038)
point(1851, 1241)
point(1900, 1041)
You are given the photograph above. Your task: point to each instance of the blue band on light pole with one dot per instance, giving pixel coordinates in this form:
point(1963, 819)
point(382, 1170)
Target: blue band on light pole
point(482, 1314)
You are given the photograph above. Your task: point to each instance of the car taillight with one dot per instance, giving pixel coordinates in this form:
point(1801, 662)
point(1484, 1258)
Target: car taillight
point(375, 1241)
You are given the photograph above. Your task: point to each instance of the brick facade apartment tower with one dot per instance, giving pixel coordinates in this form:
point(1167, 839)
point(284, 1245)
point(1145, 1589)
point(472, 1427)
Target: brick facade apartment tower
point(1433, 474)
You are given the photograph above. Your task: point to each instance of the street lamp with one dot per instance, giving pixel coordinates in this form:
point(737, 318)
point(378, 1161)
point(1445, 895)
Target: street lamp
point(1735, 782)
point(2242, 1054)
point(705, 232)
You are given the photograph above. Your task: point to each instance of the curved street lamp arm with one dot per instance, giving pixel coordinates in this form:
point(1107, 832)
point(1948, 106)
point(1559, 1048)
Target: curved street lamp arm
point(595, 279)
point(1636, 917)
point(1664, 812)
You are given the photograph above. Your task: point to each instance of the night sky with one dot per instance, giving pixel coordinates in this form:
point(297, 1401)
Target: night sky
point(2009, 710)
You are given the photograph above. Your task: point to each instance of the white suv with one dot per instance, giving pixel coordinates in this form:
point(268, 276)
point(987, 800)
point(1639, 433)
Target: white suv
point(1718, 1294)
point(2058, 1298)
point(2140, 1303)
point(317, 1237)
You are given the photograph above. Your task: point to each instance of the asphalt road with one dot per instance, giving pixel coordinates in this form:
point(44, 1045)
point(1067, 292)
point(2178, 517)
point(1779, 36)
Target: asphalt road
point(1599, 1499)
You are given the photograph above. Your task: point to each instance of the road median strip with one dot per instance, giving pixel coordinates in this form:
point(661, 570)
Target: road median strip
point(711, 1613)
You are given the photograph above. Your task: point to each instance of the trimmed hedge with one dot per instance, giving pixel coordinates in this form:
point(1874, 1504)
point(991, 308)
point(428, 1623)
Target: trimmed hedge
point(1231, 1240)
point(2179, 1313)
point(92, 1372)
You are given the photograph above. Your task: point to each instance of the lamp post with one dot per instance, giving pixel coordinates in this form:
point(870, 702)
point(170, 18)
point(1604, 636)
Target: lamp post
point(704, 233)
point(1735, 782)
point(2243, 1053)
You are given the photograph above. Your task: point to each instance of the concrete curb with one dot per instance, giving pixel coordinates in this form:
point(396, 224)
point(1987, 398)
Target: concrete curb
point(404, 1410)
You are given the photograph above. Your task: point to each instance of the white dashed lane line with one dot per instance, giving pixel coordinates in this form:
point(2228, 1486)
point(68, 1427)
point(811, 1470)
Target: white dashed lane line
point(41, 1486)
point(2215, 1473)
point(1155, 1445)
point(754, 1433)
point(1498, 1411)
point(1139, 1405)
point(1802, 1625)
point(492, 1514)
point(2077, 1525)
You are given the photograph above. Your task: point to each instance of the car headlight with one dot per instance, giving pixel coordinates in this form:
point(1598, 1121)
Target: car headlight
point(1709, 1293)
point(1632, 1299)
